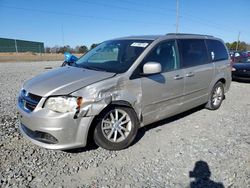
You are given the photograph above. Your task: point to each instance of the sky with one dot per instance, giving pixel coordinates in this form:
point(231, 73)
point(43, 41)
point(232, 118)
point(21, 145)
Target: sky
point(84, 22)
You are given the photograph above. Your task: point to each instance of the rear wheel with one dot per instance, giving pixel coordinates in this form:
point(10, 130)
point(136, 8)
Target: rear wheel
point(216, 97)
point(116, 128)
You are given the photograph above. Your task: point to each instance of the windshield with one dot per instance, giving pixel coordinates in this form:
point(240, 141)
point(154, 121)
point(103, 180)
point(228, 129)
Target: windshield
point(113, 56)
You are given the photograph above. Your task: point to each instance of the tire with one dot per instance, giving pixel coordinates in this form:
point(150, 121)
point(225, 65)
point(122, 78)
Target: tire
point(116, 128)
point(216, 97)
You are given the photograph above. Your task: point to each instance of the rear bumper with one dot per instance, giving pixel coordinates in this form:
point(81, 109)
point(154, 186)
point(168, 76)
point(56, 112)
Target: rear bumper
point(54, 130)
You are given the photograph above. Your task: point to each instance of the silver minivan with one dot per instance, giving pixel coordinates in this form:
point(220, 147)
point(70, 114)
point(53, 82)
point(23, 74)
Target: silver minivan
point(122, 85)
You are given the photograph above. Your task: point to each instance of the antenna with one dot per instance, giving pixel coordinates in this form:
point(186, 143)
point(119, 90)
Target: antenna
point(238, 40)
point(177, 16)
point(62, 35)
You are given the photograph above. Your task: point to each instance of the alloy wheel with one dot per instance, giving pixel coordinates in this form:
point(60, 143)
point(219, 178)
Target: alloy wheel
point(116, 125)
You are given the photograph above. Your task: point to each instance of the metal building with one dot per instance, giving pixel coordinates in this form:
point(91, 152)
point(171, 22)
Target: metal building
point(14, 45)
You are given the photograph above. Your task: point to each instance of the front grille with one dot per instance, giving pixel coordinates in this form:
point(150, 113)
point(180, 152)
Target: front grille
point(28, 101)
point(242, 73)
point(30, 106)
point(34, 97)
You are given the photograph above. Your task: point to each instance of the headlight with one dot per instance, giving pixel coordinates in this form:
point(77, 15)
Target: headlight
point(63, 104)
point(233, 69)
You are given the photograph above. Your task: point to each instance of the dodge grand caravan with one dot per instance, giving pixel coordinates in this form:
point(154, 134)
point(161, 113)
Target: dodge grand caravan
point(122, 85)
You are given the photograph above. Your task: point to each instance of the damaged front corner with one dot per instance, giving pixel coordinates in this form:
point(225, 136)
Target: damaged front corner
point(94, 107)
point(99, 95)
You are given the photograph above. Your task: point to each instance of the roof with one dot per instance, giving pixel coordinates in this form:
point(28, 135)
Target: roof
point(168, 36)
point(143, 37)
point(189, 34)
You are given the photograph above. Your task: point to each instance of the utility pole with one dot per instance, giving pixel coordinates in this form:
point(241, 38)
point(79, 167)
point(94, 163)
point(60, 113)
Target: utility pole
point(16, 46)
point(177, 16)
point(238, 40)
point(62, 35)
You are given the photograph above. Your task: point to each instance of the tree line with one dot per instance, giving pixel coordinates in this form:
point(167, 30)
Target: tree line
point(242, 46)
point(62, 49)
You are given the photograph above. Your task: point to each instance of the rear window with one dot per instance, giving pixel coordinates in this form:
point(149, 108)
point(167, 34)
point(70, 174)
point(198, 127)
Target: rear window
point(217, 50)
point(193, 52)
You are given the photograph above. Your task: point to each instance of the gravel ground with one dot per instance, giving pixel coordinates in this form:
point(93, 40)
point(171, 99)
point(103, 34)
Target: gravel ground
point(216, 143)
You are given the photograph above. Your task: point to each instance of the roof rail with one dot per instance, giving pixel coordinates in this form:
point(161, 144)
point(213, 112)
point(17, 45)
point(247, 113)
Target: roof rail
point(188, 34)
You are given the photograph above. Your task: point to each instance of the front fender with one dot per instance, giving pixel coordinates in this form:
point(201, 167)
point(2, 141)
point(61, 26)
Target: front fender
point(118, 90)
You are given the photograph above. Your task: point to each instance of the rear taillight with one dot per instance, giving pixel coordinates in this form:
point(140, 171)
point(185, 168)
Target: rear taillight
point(231, 63)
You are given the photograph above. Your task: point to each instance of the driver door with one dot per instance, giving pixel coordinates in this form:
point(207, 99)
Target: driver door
point(162, 93)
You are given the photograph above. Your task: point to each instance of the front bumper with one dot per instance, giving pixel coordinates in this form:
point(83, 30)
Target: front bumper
point(53, 130)
point(241, 75)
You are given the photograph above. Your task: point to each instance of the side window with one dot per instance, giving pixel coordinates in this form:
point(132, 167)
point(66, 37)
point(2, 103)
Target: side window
point(217, 50)
point(165, 54)
point(193, 52)
point(110, 53)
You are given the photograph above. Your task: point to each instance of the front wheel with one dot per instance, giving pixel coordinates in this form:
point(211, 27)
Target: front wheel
point(116, 128)
point(216, 97)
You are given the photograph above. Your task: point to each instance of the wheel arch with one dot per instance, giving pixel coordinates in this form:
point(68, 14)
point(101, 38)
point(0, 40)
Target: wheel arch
point(222, 80)
point(122, 103)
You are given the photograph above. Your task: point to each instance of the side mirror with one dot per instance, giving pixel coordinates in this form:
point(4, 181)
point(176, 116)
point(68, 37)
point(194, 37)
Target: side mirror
point(151, 68)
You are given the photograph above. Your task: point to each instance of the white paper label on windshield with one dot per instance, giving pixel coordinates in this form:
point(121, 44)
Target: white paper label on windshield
point(139, 44)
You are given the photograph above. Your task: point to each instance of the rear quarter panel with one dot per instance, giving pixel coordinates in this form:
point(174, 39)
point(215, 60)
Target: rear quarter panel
point(222, 71)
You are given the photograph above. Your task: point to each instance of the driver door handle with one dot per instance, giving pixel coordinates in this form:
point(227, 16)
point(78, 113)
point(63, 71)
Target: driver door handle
point(178, 77)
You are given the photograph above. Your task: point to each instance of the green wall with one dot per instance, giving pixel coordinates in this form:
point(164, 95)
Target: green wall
point(12, 45)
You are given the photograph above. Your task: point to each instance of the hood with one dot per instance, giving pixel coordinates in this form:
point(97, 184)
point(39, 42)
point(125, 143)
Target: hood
point(242, 66)
point(63, 81)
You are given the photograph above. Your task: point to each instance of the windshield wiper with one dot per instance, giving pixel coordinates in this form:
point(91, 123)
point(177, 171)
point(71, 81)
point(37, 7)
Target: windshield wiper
point(93, 68)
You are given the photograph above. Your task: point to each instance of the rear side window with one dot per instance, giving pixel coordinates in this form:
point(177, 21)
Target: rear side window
point(217, 50)
point(193, 52)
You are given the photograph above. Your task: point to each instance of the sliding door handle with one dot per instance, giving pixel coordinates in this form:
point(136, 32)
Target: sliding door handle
point(190, 74)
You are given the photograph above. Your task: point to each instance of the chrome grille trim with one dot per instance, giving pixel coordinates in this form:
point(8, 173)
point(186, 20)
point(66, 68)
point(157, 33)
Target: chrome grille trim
point(28, 101)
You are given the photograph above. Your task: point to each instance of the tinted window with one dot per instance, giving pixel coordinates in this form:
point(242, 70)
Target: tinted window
point(165, 54)
point(193, 52)
point(217, 50)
